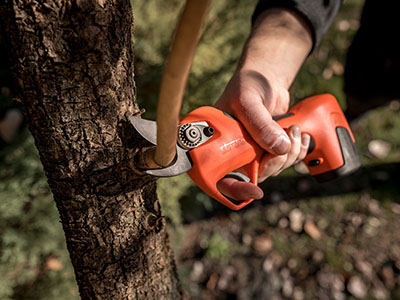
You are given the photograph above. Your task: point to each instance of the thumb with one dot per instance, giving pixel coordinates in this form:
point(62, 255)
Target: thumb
point(263, 129)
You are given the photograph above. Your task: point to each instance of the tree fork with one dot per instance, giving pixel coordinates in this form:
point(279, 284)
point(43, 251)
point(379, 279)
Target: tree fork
point(73, 61)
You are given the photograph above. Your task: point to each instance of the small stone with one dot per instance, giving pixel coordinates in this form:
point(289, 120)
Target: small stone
point(298, 293)
point(292, 263)
point(373, 207)
point(338, 283)
point(247, 239)
point(283, 223)
point(212, 281)
point(356, 220)
point(197, 271)
point(365, 268)
point(338, 295)
point(324, 279)
point(296, 218)
point(379, 148)
point(287, 288)
point(396, 208)
point(374, 222)
point(370, 230)
point(54, 264)
point(337, 68)
point(277, 260)
point(262, 244)
point(312, 230)
point(285, 273)
point(226, 278)
point(275, 281)
point(395, 251)
point(357, 287)
point(327, 73)
point(318, 256)
point(203, 243)
point(380, 293)
point(343, 25)
point(268, 265)
point(272, 215)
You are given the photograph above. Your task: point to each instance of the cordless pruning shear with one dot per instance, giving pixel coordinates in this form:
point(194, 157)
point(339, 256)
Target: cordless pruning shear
point(212, 145)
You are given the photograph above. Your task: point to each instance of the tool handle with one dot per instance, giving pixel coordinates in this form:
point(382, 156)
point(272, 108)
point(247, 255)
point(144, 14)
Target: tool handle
point(333, 152)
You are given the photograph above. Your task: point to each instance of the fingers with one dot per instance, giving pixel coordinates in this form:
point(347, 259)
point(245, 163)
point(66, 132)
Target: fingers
point(272, 165)
point(305, 144)
point(239, 190)
point(293, 154)
point(264, 130)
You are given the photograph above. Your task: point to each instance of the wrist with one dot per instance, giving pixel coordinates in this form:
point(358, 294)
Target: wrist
point(279, 43)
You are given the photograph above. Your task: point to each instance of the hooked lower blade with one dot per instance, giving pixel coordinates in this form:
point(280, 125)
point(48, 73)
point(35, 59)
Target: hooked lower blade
point(148, 130)
point(181, 165)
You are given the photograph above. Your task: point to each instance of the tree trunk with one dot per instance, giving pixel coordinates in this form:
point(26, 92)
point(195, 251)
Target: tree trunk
point(73, 61)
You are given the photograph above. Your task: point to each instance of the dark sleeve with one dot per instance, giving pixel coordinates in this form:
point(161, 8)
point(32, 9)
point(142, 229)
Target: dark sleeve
point(318, 13)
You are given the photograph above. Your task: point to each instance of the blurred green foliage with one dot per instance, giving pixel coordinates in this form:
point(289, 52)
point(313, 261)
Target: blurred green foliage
point(33, 256)
point(226, 29)
point(217, 246)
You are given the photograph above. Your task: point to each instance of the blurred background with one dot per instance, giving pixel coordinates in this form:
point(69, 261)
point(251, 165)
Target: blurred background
point(303, 241)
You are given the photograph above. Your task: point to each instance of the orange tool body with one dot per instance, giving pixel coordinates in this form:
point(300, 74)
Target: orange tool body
point(231, 147)
point(212, 145)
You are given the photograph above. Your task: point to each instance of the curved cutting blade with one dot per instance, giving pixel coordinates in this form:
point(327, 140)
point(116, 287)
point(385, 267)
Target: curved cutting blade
point(148, 130)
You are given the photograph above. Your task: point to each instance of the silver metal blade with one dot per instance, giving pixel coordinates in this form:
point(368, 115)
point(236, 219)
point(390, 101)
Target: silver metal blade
point(180, 166)
point(146, 128)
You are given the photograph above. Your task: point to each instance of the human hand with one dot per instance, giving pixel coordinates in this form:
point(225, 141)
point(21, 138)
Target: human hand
point(254, 100)
point(277, 47)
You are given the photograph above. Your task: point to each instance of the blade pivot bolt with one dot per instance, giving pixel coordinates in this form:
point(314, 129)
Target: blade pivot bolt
point(208, 131)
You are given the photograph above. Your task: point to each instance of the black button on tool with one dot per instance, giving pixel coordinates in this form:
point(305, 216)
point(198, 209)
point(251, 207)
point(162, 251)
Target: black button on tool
point(208, 131)
point(314, 162)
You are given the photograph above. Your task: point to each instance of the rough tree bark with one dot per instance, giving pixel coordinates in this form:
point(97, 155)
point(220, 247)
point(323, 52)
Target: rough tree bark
point(73, 61)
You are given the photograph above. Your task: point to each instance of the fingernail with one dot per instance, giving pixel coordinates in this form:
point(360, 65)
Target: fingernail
point(305, 139)
point(281, 145)
point(295, 132)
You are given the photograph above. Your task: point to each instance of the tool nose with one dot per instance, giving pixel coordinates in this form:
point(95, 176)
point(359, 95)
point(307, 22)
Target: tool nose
point(148, 130)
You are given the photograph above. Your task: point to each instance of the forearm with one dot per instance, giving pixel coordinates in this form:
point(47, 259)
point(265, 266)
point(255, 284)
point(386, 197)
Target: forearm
point(279, 43)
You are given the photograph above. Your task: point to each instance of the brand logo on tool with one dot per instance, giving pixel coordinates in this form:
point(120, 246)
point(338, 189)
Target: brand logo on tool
point(232, 145)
